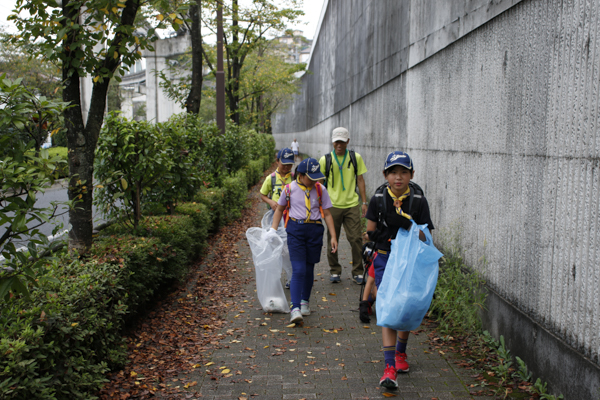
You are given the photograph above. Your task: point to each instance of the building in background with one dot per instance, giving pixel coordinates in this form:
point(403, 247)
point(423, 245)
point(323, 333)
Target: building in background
point(294, 47)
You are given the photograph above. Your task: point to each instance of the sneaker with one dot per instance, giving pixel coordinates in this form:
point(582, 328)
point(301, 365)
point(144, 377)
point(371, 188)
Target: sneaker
point(304, 307)
point(335, 279)
point(388, 380)
point(363, 314)
point(401, 364)
point(287, 285)
point(296, 316)
point(358, 279)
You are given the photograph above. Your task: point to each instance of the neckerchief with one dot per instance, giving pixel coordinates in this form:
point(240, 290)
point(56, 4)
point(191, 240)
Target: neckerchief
point(398, 201)
point(306, 198)
point(341, 166)
point(282, 178)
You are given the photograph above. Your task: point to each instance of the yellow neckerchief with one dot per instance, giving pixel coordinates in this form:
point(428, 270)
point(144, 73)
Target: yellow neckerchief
point(398, 201)
point(282, 179)
point(306, 198)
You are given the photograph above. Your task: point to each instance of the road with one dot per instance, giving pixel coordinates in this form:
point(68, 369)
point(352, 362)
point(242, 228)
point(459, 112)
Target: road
point(55, 193)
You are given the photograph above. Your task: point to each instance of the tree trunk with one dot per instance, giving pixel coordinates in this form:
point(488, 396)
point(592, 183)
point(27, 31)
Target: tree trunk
point(82, 138)
point(195, 96)
point(233, 84)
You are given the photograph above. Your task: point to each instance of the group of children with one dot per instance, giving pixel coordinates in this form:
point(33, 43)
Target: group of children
point(303, 203)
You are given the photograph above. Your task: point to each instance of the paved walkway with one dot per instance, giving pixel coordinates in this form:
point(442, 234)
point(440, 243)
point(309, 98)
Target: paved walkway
point(333, 356)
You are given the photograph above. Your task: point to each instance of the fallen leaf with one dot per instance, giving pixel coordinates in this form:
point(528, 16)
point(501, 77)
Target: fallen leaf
point(274, 330)
point(290, 325)
point(344, 378)
point(208, 364)
point(226, 371)
point(388, 394)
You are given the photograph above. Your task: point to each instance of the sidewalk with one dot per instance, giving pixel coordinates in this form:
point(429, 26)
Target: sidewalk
point(333, 356)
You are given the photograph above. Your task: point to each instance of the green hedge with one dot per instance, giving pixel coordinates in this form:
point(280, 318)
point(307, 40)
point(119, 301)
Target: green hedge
point(213, 200)
point(62, 343)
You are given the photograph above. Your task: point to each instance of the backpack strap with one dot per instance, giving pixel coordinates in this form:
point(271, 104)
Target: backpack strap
point(319, 193)
point(273, 182)
point(328, 162)
point(352, 154)
point(415, 193)
point(286, 213)
point(381, 206)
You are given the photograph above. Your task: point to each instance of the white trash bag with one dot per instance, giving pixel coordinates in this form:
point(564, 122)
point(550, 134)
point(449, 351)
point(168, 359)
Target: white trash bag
point(266, 253)
point(266, 223)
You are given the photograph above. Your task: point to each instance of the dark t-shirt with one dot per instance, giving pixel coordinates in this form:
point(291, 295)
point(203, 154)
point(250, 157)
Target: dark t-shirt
point(421, 216)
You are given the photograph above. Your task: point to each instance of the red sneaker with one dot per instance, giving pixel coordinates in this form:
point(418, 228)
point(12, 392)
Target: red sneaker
point(388, 380)
point(401, 364)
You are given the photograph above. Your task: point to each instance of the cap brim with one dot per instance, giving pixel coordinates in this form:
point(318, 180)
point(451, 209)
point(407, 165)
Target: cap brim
point(397, 163)
point(286, 162)
point(340, 140)
point(315, 176)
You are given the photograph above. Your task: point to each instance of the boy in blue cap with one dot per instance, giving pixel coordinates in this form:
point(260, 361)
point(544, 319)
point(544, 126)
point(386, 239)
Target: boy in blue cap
point(274, 183)
point(306, 201)
point(393, 207)
point(271, 190)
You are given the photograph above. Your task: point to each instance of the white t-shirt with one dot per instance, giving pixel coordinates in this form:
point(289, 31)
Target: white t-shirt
point(295, 146)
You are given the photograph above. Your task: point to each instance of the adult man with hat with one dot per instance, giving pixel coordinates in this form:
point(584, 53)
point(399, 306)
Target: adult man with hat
point(343, 170)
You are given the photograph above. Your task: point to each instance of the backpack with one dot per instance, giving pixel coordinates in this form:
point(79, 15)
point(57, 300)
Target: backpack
point(274, 184)
point(288, 191)
point(416, 193)
point(329, 166)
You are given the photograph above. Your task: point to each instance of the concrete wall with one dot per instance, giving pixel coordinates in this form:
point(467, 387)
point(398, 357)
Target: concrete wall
point(497, 102)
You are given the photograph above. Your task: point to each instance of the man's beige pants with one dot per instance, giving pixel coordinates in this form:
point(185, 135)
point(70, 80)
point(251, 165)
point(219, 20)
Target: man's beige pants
point(350, 219)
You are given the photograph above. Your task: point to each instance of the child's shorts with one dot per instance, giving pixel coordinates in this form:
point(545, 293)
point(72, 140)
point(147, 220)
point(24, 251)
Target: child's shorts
point(379, 263)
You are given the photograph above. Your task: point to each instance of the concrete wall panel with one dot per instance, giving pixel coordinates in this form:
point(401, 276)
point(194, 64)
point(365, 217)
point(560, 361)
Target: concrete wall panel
point(498, 104)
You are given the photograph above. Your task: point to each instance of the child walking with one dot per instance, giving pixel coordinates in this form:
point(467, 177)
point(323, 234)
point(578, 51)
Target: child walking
point(306, 201)
point(275, 182)
point(382, 227)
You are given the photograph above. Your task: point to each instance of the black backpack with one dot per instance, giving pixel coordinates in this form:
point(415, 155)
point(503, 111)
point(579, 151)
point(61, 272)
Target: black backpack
point(416, 193)
point(329, 166)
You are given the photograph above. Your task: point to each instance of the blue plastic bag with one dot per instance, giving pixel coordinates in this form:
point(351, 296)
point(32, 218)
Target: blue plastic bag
point(409, 280)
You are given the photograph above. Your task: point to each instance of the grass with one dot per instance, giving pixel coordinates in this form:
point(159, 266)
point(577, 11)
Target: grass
point(456, 307)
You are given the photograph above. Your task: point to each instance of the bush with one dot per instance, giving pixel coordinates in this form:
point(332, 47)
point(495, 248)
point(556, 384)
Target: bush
point(147, 262)
point(213, 199)
point(236, 194)
point(61, 343)
point(200, 216)
point(177, 231)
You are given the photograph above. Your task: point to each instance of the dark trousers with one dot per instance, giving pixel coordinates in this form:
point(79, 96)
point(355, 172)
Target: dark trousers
point(305, 242)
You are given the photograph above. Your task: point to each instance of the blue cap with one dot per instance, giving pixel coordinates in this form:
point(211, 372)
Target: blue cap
point(398, 158)
point(311, 168)
point(286, 156)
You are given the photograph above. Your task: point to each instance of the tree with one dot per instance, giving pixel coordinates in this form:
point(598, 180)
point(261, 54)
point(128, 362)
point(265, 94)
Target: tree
point(185, 15)
point(245, 28)
point(22, 176)
point(38, 74)
point(266, 83)
point(85, 37)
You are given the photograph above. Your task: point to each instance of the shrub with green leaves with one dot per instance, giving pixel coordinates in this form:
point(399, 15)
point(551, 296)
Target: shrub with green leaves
point(25, 171)
point(60, 344)
point(147, 263)
point(199, 214)
point(213, 199)
point(235, 194)
point(131, 160)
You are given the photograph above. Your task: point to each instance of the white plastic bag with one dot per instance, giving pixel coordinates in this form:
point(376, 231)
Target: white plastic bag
point(266, 223)
point(266, 253)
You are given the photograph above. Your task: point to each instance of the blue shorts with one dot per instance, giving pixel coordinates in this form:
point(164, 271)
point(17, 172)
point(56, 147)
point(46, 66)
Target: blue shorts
point(305, 241)
point(379, 264)
point(295, 152)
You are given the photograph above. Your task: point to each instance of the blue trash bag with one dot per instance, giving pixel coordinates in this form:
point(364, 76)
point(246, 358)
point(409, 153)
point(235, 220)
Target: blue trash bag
point(409, 280)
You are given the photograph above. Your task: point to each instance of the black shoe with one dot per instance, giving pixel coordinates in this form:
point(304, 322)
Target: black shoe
point(363, 314)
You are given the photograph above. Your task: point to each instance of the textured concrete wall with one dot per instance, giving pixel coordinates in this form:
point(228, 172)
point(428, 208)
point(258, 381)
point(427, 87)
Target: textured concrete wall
point(497, 102)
